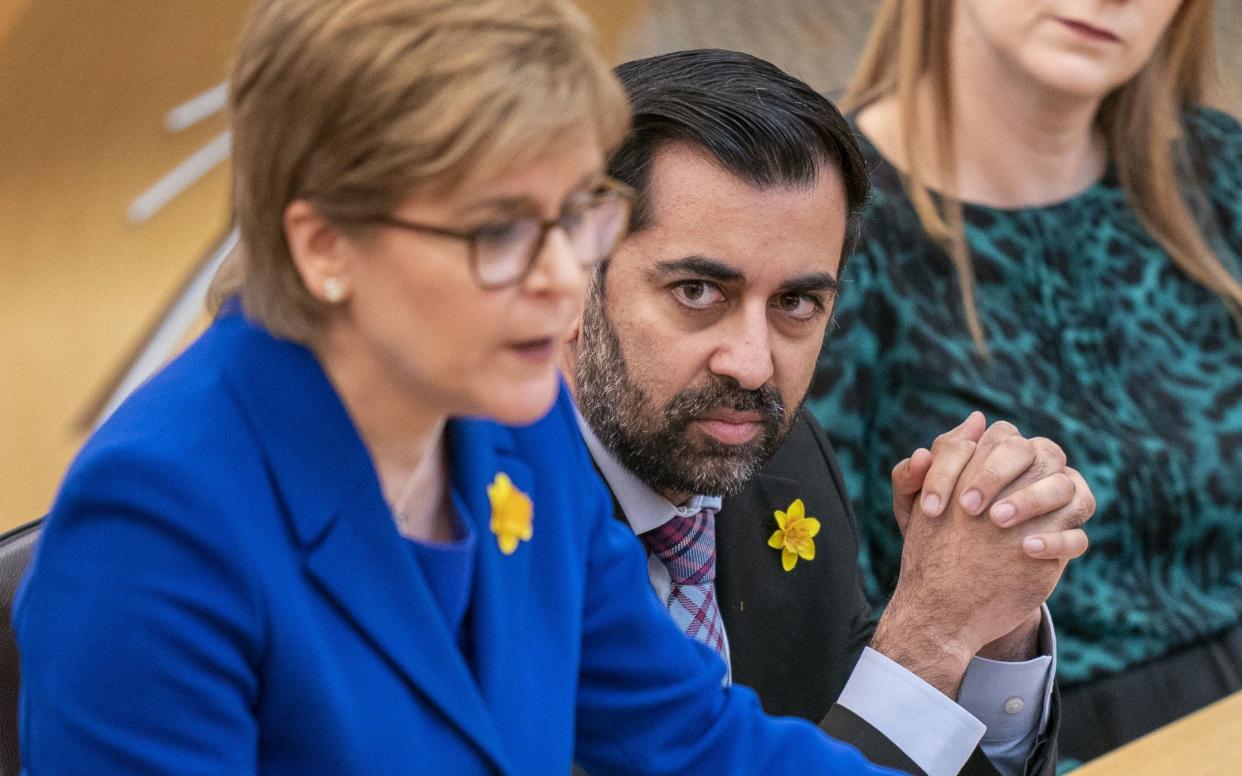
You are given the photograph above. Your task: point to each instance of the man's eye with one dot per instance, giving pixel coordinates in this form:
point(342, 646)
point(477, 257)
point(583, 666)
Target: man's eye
point(801, 307)
point(697, 294)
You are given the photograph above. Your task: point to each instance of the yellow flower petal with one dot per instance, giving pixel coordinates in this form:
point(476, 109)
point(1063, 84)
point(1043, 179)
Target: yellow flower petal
point(511, 513)
point(500, 487)
point(795, 539)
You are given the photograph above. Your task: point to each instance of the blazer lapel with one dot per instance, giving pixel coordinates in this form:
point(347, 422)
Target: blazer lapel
point(338, 516)
point(815, 607)
point(367, 571)
point(746, 522)
point(479, 452)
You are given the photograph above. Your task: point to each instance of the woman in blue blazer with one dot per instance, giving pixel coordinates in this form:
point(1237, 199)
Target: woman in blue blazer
point(288, 553)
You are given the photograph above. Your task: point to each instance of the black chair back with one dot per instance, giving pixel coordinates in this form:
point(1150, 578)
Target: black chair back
point(16, 547)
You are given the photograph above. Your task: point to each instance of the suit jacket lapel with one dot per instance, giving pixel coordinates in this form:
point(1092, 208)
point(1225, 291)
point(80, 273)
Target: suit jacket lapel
point(816, 608)
point(368, 572)
point(338, 516)
point(747, 520)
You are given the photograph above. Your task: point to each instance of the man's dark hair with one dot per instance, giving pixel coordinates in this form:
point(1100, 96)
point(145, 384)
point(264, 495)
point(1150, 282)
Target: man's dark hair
point(760, 123)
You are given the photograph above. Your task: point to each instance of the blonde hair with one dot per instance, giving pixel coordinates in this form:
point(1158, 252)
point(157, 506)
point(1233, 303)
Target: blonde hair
point(354, 105)
point(1141, 120)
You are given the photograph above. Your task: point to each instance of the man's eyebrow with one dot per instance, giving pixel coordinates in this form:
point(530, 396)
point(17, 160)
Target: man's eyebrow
point(702, 266)
point(816, 281)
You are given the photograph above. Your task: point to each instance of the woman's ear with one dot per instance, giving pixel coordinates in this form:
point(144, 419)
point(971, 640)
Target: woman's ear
point(319, 252)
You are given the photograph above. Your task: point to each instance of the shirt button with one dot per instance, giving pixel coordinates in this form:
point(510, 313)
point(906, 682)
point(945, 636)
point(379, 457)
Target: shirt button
point(1014, 705)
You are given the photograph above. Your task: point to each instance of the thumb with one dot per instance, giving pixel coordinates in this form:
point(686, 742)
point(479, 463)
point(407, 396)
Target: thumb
point(908, 479)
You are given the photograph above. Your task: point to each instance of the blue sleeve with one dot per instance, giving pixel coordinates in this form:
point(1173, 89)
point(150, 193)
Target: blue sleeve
point(651, 701)
point(127, 615)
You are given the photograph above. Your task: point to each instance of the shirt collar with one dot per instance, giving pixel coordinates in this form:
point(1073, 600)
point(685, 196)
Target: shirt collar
point(642, 506)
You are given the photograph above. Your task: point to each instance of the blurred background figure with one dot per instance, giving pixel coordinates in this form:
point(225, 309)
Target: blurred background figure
point(818, 41)
point(1054, 238)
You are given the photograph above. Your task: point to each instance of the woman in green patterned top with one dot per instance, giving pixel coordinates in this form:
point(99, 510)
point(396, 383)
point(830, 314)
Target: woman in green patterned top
point(1054, 238)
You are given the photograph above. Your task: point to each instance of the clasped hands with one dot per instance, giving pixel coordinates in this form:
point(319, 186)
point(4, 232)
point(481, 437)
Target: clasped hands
point(990, 520)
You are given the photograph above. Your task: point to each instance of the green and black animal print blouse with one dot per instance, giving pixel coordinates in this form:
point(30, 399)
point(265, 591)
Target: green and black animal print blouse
point(1098, 342)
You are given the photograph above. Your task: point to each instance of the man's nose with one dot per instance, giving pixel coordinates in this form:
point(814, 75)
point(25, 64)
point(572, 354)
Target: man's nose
point(745, 353)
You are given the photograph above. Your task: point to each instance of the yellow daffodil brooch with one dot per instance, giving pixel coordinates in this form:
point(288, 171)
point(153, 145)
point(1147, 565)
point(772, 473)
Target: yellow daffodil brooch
point(795, 535)
point(511, 513)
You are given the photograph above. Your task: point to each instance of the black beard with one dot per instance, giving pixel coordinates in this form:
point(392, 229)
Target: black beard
point(656, 443)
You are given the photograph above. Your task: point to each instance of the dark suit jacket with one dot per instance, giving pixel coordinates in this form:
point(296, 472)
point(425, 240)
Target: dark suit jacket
point(795, 636)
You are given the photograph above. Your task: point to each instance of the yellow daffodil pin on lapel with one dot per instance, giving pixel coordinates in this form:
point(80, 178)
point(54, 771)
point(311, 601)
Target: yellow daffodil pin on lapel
point(511, 513)
point(795, 535)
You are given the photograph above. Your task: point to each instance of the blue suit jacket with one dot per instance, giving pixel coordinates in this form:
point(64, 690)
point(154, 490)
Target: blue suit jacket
point(220, 589)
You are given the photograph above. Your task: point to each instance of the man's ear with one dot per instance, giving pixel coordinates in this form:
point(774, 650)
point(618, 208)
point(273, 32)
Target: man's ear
point(575, 330)
point(567, 355)
point(319, 252)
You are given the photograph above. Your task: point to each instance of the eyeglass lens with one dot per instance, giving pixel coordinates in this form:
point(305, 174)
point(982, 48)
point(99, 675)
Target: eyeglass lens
point(504, 253)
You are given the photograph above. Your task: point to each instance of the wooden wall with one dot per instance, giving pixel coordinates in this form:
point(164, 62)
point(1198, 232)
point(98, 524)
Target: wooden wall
point(83, 90)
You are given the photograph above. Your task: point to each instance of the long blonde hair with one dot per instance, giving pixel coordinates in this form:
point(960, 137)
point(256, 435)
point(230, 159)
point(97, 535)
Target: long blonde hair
point(1140, 119)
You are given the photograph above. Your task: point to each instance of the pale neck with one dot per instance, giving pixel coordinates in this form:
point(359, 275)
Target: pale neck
point(1016, 144)
point(404, 436)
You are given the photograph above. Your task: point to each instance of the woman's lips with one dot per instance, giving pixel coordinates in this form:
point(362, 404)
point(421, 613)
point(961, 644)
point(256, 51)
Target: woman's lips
point(537, 351)
point(1090, 32)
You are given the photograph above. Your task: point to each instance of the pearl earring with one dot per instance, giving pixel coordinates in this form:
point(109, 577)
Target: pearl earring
point(333, 290)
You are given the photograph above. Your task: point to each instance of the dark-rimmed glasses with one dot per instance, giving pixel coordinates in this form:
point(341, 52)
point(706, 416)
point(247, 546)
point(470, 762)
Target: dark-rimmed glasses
point(503, 254)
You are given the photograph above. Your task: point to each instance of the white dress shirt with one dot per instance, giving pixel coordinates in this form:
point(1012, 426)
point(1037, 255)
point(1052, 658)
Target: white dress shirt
point(1001, 706)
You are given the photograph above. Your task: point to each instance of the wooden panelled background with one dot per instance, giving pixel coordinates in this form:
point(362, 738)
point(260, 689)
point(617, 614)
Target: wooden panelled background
point(84, 86)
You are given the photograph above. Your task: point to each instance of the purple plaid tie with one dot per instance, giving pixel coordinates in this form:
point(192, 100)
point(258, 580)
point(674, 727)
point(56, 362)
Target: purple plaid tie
point(687, 548)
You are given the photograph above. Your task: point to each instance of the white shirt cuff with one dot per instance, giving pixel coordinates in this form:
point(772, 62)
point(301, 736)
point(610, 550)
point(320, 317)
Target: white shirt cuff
point(1006, 697)
point(1012, 699)
point(932, 730)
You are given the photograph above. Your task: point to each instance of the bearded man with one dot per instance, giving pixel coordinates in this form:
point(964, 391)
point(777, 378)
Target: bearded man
point(693, 356)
